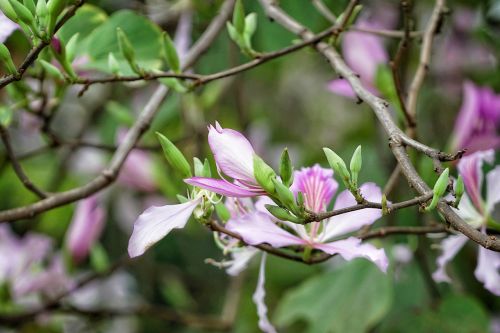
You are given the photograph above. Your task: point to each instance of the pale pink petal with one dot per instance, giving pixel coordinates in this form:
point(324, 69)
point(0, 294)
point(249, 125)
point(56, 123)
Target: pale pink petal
point(341, 87)
point(233, 153)
point(352, 248)
point(488, 270)
point(317, 185)
point(258, 228)
point(470, 168)
point(182, 39)
point(450, 247)
point(467, 116)
point(240, 260)
point(7, 27)
point(156, 222)
point(85, 228)
point(493, 188)
point(223, 187)
point(352, 221)
point(259, 299)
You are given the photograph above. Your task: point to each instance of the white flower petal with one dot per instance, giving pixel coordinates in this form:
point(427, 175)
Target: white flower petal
point(450, 246)
point(259, 299)
point(241, 260)
point(156, 222)
point(493, 188)
point(488, 270)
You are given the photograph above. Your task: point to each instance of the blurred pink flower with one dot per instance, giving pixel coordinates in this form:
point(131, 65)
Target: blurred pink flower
point(476, 212)
point(233, 155)
point(478, 121)
point(7, 27)
point(85, 228)
point(318, 187)
point(363, 52)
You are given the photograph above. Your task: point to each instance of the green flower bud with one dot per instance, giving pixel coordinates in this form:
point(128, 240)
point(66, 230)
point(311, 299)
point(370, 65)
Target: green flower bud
point(198, 167)
point(6, 60)
point(338, 164)
point(30, 4)
point(113, 64)
point(55, 7)
point(71, 47)
point(250, 25)
point(356, 162)
point(52, 70)
point(127, 50)
point(264, 174)
point(174, 84)
point(282, 214)
point(222, 212)
point(7, 9)
point(23, 13)
point(174, 156)
point(171, 55)
point(300, 200)
point(285, 196)
point(181, 198)
point(239, 17)
point(439, 189)
point(286, 168)
point(459, 190)
point(42, 12)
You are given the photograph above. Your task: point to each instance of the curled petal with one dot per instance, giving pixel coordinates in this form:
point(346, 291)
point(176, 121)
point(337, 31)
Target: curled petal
point(488, 270)
point(470, 168)
point(259, 299)
point(450, 246)
point(224, 187)
point(352, 248)
point(352, 221)
point(240, 260)
point(258, 228)
point(156, 222)
point(233, 153)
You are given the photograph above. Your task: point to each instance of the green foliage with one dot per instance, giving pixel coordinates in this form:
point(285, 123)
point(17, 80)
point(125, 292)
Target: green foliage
point(351, 299)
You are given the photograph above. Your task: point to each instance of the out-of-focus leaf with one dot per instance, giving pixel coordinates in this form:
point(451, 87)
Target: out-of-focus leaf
point(384, 82)
point(351, 299)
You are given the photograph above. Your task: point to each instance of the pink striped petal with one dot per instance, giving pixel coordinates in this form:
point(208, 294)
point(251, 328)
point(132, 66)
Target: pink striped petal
point(259, 299)
point(352, 248)
point(258, 228)
point(233, 153)
point(223, 187)
point(156, 222)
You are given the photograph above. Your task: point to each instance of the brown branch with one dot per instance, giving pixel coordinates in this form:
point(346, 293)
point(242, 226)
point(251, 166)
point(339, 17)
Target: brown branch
point(381, 109)
point(109, 175)
point(33, 54)
point(18, 169)
point(425, 56)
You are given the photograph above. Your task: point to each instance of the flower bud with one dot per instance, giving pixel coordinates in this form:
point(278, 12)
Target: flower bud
point(71, 47)
point(52, 70)
point(171, 55)
point(264, 174)
point(239, 17)
point(250, 25)
point(56, 45)
point(30, 4)
point(286, 168)
point(127, 50)
point(459, 190)
point(174, 156)
point(42, 12)
point(113, 65)
point(23, 13)
point(282, 214)
point(439, 189)
point(385, 208)
point(284, 194)
point(338, 164)
point(6, 59)
point(7, 9)
point(356, 162)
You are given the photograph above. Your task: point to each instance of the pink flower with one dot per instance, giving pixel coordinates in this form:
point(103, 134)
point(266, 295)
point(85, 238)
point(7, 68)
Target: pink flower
point(86, 228)
point(476, 212)
point(363, 52)
point(478, 120)
point(233, 155)
point(318, 188)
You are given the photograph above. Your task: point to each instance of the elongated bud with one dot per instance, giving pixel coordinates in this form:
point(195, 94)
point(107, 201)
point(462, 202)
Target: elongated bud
point(459, 190)
point(300, 199)
point(239, 17)
point(286, 168)
point(55, 7)
point(250, 25)
point(71, 47)
point(127, 49)
point(171, 55)
point(42, 12)
point(30, 4)
point(282, 214)
point(285, 195)
point(174, 156)
point(113, 65)
point(52, 70)
point(23, 13)
point(7, 9)
point(439, 189)
point(264, 174)
point(201, 169)
point(338, 164)
point(56, 45)
point(222, 212)
point(385, 208)
point(356, 162)
point(6, 59)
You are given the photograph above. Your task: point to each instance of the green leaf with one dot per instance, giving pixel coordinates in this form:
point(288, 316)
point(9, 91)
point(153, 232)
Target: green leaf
point(353, 298)
point(145, 36)
point(120, 113)
point(171, 55)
